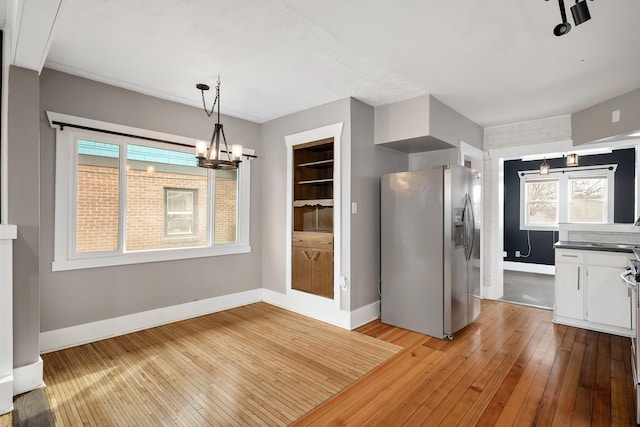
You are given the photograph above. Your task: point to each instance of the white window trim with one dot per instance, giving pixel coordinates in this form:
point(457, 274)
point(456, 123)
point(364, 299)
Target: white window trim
point(563, 175)
point(65, 259)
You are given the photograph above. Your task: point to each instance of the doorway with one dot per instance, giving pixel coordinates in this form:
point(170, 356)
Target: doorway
point(526, 288)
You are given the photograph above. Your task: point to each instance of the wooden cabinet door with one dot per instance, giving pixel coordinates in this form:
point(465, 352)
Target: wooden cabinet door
point(301, 268)
point(569, 286)
point(322, 272)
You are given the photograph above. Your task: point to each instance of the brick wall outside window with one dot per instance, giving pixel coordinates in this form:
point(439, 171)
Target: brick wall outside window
point(97, 221)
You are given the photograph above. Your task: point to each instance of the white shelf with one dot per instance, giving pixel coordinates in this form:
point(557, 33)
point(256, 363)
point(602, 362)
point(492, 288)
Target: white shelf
point(317, 164)
point(316, 181)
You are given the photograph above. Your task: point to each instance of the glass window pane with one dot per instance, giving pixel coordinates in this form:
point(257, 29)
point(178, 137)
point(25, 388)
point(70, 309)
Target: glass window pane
point(588, 200)
point(97, 197)
point(181, 211)
point(156, 220)
point(542, 203)
point(226, 206)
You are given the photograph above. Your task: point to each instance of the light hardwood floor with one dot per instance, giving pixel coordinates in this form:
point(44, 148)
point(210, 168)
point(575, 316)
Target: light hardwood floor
point(510, 367)
point(254, 365)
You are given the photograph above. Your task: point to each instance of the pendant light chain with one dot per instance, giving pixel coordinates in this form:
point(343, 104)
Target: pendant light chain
point(204, 103)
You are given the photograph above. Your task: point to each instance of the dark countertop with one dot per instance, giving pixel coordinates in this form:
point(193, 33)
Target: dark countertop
point(598, 246)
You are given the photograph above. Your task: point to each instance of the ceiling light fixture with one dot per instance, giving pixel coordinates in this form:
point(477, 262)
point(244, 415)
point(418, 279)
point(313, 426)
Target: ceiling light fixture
point(210, 156)
point(544, 168)
point(564, 27)
point(580, 13)
point(572, 159)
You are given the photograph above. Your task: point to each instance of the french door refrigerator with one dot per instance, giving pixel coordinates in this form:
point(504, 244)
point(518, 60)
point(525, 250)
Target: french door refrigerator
point(430, 249)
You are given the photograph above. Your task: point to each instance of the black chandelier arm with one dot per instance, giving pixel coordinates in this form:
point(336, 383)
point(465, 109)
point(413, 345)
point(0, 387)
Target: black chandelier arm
point(226, 148)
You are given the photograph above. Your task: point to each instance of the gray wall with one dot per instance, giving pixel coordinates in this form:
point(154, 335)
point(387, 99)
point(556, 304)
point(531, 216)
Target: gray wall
point(361, 249)
point(80, 296)
point(274, 182)
point(594, 123)
point(24, 211)
point(450, 126)
point(368, 162)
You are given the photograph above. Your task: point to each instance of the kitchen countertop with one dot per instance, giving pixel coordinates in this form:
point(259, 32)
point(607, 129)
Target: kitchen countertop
point(599, 246)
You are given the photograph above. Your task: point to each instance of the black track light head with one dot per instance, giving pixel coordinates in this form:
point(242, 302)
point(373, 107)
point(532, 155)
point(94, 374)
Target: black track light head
point(564, 27)
point(580, 12)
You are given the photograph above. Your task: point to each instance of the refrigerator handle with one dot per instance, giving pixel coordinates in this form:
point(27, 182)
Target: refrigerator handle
point(470, 226)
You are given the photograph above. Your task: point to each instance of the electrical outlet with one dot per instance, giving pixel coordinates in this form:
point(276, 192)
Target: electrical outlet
point(504, 254)
point(517, 254)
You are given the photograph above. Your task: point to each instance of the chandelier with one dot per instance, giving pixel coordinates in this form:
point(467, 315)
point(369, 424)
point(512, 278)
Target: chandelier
point(210, 156)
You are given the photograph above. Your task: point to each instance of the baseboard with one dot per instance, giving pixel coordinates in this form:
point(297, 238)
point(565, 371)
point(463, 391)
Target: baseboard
point(6, 394)
point(526, 267)
point(309, 306)
point(28, 377)
point(592, 326)
point(365, 314)
point(489, 292)
point(95, 331)
point(297, 302)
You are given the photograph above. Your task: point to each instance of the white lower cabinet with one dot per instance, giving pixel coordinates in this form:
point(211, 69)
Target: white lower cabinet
point(589, 292)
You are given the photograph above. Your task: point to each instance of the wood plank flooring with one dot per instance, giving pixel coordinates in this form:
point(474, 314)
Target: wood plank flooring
point(512, 367)
point(254, 365)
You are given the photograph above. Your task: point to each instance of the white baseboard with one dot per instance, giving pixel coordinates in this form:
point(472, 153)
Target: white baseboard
point(297, 302)
point(6, 394)
point(529, 268)
point(28, 377)
point(490, 292)
point(94, 331)
point(309, 306)
point(365, 315)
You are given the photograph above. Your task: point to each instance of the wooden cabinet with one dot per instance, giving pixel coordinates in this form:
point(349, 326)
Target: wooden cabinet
point(312, 240)
point(589, 292)
point(312, 263)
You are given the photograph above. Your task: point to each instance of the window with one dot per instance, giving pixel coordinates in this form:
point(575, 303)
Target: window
point(588, 199)
point(541, 202)
point(180, 211)
point(141, 201)
point(576, 195)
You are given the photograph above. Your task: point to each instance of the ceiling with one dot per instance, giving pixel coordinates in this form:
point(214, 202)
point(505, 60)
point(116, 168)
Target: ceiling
point(495, 62)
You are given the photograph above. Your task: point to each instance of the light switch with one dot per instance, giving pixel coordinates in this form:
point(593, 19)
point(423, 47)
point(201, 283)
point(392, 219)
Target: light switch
point(354, 207)
point(615, 116)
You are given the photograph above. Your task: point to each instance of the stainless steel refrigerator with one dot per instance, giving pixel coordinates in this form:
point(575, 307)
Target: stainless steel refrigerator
point(430, 249)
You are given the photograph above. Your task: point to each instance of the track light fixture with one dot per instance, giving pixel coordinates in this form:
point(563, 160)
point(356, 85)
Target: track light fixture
point(572, 159)
point(564, 27)
point(580, 13)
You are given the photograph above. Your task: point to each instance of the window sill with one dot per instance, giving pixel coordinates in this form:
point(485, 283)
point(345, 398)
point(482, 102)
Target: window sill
point(146, 256)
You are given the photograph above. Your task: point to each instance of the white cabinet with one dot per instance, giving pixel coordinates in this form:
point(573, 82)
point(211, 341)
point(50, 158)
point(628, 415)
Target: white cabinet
point(589, 292)
point(569, 285)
